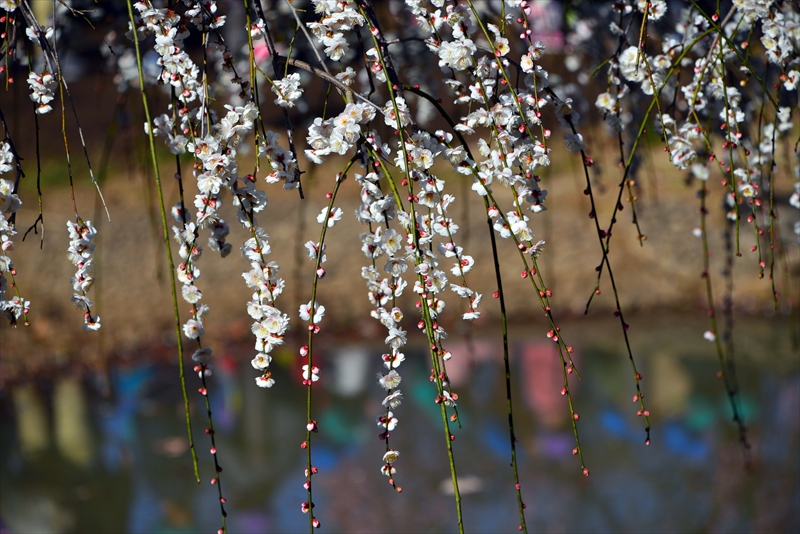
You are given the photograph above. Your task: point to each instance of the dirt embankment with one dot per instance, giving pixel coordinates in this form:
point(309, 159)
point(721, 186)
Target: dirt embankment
point(133, 294)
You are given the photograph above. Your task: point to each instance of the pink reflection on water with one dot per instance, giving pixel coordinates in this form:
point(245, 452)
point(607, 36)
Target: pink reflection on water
point(466, 354)
point(542, 380)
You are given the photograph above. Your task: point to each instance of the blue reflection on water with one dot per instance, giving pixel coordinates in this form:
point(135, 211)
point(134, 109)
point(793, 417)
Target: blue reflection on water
point(690, 479)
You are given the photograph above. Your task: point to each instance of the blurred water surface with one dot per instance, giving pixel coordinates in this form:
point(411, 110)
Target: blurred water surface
point(73, 459)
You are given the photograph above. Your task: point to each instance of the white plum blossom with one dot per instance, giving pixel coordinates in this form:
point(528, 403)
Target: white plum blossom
point(288, 90)
point(202, 356)
point(193, 329)
point(388, 421)
point(41, 92)
point(393, 400)
point(457, 55)
point(305, 312)
point(573, 142)
point(329, 218)
point(399, 118)
point(312, 251)
point(265, 381)
point(9, 5)
point(605, 102)
point(310, 374)
point(390, 380)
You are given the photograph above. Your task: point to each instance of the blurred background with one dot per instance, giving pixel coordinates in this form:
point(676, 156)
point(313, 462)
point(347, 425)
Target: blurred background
point(84, 452)
point(92, 432)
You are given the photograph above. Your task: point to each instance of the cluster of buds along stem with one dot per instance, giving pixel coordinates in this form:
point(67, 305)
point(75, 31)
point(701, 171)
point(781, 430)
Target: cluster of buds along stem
point(16, 307)
point(81, 254)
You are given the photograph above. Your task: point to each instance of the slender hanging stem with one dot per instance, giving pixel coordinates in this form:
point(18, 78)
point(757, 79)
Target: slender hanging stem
point(167, 244)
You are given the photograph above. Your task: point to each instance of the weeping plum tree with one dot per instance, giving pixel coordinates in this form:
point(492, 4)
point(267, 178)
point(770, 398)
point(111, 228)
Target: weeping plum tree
point(717, 82)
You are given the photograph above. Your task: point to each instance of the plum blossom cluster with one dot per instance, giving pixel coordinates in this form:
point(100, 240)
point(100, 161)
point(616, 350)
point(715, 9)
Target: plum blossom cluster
point(214, 141)
point(781, 40)
point(14, 307)
point(508, 159)
point(708, 93)
point(270, 324)
point(513, 153)
point(216, 169)
point(680, 141)
point(337, 17)
point(339, 134)
point(379, 209)
point(41, 90)
point(751, 158)
point(723, 93)
point(283, 164)
point(382, 291)
point(514, 156)
point(80, 253)
point(422, 149)
point(386, 289)
point(288, 90)
point(715, 99)
point(177, 68)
